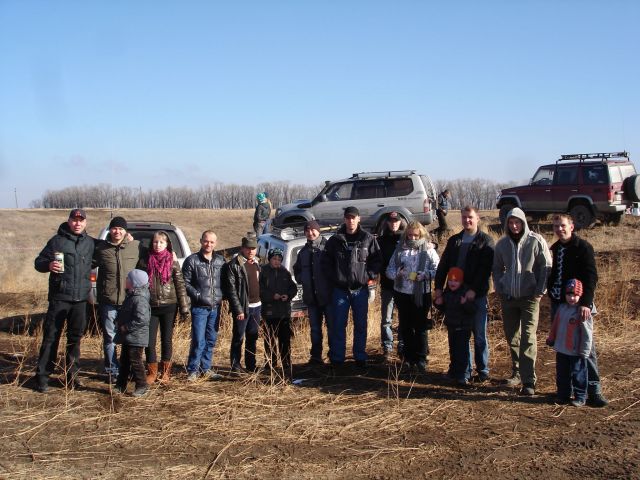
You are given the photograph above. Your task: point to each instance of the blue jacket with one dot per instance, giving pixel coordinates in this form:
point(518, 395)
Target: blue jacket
point(133, 319)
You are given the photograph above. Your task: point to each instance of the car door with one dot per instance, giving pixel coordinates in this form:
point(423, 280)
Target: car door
point(537, 196)
point(368, 197)
point(565, 186)
point(331, 210)
point(595, 184)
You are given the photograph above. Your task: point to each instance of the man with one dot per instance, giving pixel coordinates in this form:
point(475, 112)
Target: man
point(441, 212)
point(521, 265)
point(201, 272)
point(316, 291)
point(388, 242)
point(69, 287)
point(240, 277)
point(352, 258)
point(472, 251)
point(573, 257)
point(115, 257)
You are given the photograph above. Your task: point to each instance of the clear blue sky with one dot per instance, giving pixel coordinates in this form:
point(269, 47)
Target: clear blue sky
point(159, 93)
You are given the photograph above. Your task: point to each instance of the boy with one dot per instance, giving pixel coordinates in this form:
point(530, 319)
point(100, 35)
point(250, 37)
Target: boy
point(571, 338)
point(277, 289)
point(458, 317)
point(133, 332)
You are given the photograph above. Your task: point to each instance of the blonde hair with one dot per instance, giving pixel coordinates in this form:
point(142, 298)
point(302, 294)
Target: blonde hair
point(415, 225)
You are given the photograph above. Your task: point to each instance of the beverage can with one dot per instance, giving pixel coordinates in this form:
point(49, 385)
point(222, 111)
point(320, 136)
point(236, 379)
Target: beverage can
point(59, 257)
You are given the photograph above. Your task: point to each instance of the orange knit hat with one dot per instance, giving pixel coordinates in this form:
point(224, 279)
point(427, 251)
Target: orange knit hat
point(455, 273)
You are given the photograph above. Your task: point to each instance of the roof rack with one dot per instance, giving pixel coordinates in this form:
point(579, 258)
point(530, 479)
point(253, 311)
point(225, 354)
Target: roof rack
point(593, 156)
point(296, 231)
point(388, 173)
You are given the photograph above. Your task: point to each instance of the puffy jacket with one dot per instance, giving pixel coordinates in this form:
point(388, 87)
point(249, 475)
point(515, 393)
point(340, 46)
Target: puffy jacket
point(521, 268)
point(351, 268)
point(202, 279)
point(235, 285)
point(457, 315)
point(133, 319)
point(262, 213)
point(114, 262)
point(272, 281)
point(74, 284)
point(388, 242)
point(308, 271)
point(478, 262)
point(170, 293)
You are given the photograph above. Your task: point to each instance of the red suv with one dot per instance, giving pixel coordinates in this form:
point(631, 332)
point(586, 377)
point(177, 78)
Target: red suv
point(588, 186)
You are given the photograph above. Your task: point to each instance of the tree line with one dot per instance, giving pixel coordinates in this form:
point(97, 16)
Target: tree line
point(478, 192)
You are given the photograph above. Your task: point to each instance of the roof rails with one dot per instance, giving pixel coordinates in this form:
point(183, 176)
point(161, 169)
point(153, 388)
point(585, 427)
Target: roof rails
point(388, 173)
point(593, 156)
point(296, 231)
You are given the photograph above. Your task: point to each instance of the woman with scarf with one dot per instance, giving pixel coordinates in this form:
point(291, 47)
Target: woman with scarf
point(412, 266)
point(168, 291)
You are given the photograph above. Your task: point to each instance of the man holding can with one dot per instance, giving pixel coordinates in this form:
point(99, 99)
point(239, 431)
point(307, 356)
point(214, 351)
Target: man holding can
point(69, 287)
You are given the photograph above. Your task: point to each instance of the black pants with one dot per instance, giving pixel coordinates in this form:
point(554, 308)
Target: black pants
point(442, 222)
point(413, 326)
point(131, 365)
point(74, 314)
point(164, 317)
point(277, 341)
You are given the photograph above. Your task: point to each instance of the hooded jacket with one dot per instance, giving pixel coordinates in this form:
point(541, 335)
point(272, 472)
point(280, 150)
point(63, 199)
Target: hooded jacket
point(114, 262)
point(308, 272)
point(521, 266)
point(72, 285)
point(133, 318)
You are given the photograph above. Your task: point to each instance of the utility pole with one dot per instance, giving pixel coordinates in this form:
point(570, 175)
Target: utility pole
point(15, 194)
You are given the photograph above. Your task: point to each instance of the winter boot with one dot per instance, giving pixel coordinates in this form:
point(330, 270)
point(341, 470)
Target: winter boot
point(165, 372)
point(152, 376)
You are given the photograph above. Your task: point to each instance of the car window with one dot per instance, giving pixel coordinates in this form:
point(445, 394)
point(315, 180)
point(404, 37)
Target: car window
point(339, 191)
point(399, 187)
point(373, 189)
point(567, 175)
point(627, 171)
point(145, 236)
point(294, 257)
point(594, 174)
point(544, 176)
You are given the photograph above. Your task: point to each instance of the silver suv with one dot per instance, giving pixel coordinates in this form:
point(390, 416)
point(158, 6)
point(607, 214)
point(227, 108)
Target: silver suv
point(375, 194)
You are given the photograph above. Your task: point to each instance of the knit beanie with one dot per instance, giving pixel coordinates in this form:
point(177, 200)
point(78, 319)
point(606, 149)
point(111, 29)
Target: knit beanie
point(574, 286)
point(455, 273)
point(118, 222)
point(138, 278)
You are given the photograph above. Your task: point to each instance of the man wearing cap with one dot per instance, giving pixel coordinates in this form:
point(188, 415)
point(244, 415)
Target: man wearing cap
point(240, 285)
point(316, 291)
point(115, 257)
point(352, 258)
point(69, 287)
point(388, 241)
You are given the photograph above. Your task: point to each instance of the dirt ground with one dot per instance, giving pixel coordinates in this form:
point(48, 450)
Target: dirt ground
point(344, 423)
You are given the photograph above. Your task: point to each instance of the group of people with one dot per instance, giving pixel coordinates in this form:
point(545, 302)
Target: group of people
point(141, 291)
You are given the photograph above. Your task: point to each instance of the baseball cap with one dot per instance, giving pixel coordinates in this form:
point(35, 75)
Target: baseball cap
point(77, 212)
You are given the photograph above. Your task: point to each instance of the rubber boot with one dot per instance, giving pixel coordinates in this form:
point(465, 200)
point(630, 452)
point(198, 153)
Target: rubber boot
point(152, 375)
point(165, 372)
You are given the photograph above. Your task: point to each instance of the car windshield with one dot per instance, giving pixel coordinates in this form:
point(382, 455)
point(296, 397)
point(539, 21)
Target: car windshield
point(544, 176)
point(145, 236)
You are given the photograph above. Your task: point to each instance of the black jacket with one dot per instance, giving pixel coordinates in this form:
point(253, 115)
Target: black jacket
point(202, 279)
point(388, 242)
point(308, 271)
point(114, 262)
point(133, 319)
point(478, 263)
point(352, 268)
point(235, 285)
point(579, 262)
point(457, 315)
point(272, 281)
point(74, 284)
point(262, 213)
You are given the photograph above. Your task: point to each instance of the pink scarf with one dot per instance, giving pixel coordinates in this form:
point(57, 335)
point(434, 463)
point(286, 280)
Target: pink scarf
point(160, 264)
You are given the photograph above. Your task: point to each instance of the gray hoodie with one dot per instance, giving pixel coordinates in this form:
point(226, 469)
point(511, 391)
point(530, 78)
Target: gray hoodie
point(521, 267)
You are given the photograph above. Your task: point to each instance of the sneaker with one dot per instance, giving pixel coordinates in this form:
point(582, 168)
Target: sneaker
point(577, 403)
point(482, 377)
point(513, 381)
point(597, 401)
point(140, 392)
point(237, 370)
point(193, 377)
point(528, 390)
point(212, 375)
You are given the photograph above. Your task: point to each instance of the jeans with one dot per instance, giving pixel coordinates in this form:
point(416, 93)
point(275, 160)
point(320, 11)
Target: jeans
point(459, 354)
point(108, 315)
point(480, 343)
point(413, 326)
point(386, 310)
point(249, 327)
point(131, 364)
point(163, 317)
point(204, 333)
point(358, 302)
point(520, 322)
point(594, 387)
point(316, 315)
point(571, 374)
point(75, 316)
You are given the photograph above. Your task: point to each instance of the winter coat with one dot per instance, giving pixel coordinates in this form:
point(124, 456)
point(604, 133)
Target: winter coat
point(235, 285)
point(262, 213)
point(74, 284)
point(578, 261)
point(114, 262)
point(349, 267)
point(457, 316)
point(427, 256)
point(133, 319)
point(171, 293)
point(443, 203)
point(308, 271)
point(202, 279)
point(388, 242)
point(272, 281)
point(569, 334)
point(521, 268)
point(478, 262)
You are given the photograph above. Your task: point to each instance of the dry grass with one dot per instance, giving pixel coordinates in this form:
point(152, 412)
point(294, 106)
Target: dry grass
point(337, 424)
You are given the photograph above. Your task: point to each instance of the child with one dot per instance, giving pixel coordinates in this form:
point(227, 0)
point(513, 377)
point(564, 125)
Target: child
point(458, 317)
point(571, 339)
point(277, 289)
point(133, 332)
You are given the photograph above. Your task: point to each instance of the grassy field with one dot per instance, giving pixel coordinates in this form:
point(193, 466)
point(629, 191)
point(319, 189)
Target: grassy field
point(333, 424)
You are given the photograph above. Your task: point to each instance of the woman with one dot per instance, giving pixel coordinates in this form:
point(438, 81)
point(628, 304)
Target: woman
point(168, 291)
point(412, 266)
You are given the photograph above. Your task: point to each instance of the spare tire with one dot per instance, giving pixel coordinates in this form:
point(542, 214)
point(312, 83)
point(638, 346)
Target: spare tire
point(631, 187)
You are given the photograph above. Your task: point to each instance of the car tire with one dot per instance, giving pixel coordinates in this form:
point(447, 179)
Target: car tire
point(582, 216)
point(631, 187)
point(504, 211)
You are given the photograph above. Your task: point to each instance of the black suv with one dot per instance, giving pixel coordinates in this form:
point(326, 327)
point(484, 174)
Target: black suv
point(588, 186)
